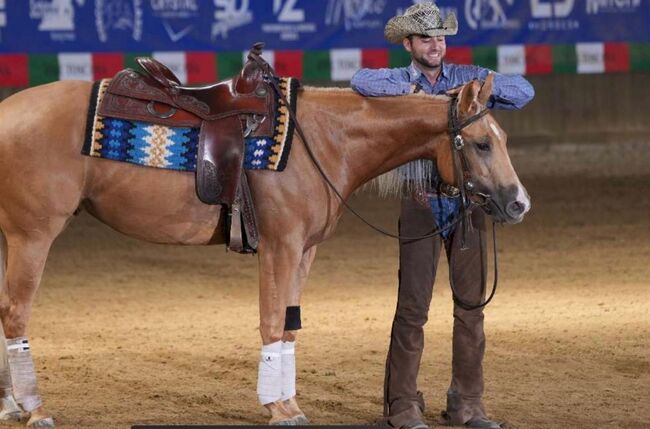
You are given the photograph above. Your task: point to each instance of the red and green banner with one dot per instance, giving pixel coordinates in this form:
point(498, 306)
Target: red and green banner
point(19, 70)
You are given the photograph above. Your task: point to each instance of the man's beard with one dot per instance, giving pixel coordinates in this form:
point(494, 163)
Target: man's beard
point(426, 64)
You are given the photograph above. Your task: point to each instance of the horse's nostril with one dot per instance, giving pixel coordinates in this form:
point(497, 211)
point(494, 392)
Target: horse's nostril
point(515, 208)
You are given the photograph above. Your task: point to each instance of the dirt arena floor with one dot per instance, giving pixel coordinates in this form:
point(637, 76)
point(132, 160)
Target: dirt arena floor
point(125, 332)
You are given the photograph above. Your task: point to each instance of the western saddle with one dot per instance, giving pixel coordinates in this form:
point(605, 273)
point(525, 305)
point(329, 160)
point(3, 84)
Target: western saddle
point(226, 112)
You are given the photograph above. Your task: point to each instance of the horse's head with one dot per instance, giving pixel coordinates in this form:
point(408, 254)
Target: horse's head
point(482, 153)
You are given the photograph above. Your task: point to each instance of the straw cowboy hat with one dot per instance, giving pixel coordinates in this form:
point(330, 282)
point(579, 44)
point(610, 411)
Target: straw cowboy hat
point(421, 18)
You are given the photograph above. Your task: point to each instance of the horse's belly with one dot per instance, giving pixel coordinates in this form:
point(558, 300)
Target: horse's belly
point(151, 204)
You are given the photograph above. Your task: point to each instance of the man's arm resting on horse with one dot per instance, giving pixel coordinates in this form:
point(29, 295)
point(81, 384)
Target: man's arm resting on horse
point(508, 91)
point(380, 82)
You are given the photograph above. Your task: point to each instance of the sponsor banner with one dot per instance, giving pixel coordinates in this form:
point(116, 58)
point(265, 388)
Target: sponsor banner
point(617, 57)
point(539, 59)
point(512, 59)
point(323, 66)
point(564, 59)
point(289, 63)
point(591, 57)
point(485, 57)
point(14, 70)
point(52, 26)
point(374, 58)
point(640, 56)
point(107, 64)
point(43, 68)
point(75, 66)
point(459, 55)
point(201, 67)
point(316, 66)
point(344, 63)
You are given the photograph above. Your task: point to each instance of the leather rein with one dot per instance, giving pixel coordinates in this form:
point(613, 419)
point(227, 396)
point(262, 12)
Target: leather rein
point(463, 176)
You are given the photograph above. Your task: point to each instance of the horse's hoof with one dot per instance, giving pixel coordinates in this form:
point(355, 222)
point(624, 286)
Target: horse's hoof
point(15, 416)
point(45, 423)
point(10, 410)
point(300, 420)
point(289, 422)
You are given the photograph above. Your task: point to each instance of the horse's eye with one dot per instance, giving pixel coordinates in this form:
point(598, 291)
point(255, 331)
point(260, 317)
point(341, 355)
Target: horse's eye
point(485, 147)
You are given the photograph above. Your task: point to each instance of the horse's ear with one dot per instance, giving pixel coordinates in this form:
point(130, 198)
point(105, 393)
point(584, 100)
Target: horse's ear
point(468, 96)
point(454, 91)
point(486, 89)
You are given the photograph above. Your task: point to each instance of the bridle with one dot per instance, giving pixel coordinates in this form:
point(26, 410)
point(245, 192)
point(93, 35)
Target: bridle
point(466, 187)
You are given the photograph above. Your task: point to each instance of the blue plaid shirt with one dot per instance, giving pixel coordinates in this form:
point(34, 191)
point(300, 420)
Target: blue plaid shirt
point(508, 92)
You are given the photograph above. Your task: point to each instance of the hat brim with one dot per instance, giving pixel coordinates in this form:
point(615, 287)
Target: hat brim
point(400, 27)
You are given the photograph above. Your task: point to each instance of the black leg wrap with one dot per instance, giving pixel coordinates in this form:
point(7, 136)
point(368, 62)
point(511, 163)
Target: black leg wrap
point(292, 319)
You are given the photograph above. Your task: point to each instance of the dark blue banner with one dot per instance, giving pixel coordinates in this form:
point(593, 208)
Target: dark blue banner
point(42, 26)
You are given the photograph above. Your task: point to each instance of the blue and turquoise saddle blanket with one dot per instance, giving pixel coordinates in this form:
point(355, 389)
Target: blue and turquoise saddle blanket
point(175, 148)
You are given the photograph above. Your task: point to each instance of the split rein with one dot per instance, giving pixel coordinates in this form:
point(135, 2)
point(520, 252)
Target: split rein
point(461, 171)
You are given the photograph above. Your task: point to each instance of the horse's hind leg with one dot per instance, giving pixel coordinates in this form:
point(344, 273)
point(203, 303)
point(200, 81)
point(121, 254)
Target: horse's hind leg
point(25, 259)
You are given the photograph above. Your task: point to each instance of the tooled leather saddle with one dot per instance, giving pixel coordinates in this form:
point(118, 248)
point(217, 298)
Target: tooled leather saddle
point(226, 112)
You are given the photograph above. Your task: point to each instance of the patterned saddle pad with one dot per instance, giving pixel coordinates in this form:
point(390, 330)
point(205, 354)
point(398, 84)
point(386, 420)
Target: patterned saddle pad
point(175, 148)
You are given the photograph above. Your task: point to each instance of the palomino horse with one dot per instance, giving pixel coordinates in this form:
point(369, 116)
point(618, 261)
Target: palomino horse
point(44, 181)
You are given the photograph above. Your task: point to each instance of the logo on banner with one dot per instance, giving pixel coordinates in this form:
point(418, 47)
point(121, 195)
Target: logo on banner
point(57, 17)
point(549, 15)
point(230, 14)
point(489, 14)
point(178, 16)
point(3, 17)
point(118, 16)
point(355, 14)
point(290, 21)
point(595, 7)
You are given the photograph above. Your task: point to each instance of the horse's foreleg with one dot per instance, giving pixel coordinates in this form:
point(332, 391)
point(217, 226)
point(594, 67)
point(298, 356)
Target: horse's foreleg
point(280, 268)
point(9, 410)
point(25, 261)
point(292, 324)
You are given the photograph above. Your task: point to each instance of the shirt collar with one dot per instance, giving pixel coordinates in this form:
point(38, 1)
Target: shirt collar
point(415, 73)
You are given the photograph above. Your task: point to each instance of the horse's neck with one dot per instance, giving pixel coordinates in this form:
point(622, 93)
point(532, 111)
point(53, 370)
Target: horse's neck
point(360, 138)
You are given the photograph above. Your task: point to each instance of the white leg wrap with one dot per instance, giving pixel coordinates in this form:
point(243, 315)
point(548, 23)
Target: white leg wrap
point(9, 410)
point(269, 376)
point(22, 373)
point(5, 373)
point(288, 370)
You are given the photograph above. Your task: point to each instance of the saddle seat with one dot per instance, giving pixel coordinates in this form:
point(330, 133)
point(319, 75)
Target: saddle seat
point(226, 112)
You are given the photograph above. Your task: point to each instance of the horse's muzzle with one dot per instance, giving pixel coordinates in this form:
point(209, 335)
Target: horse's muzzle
point(509, 205)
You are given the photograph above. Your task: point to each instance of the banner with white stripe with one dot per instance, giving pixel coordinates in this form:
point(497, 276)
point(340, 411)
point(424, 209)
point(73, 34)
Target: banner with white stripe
point(75, 66)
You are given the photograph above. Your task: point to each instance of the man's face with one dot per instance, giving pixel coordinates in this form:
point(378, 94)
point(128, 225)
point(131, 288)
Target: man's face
point(426, 51)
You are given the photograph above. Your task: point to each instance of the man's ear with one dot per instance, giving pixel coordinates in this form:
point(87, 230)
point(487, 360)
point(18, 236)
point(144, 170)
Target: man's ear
point(486, 90)
point(407, 44)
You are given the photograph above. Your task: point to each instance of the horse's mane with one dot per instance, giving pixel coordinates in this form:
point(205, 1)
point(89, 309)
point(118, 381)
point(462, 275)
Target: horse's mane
point(403, 181)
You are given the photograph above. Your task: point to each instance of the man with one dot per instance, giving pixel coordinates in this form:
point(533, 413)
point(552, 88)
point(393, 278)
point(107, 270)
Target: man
point(422, 32)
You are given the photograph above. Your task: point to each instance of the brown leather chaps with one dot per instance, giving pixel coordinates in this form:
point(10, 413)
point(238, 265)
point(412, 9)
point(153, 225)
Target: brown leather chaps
point(418, 263)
